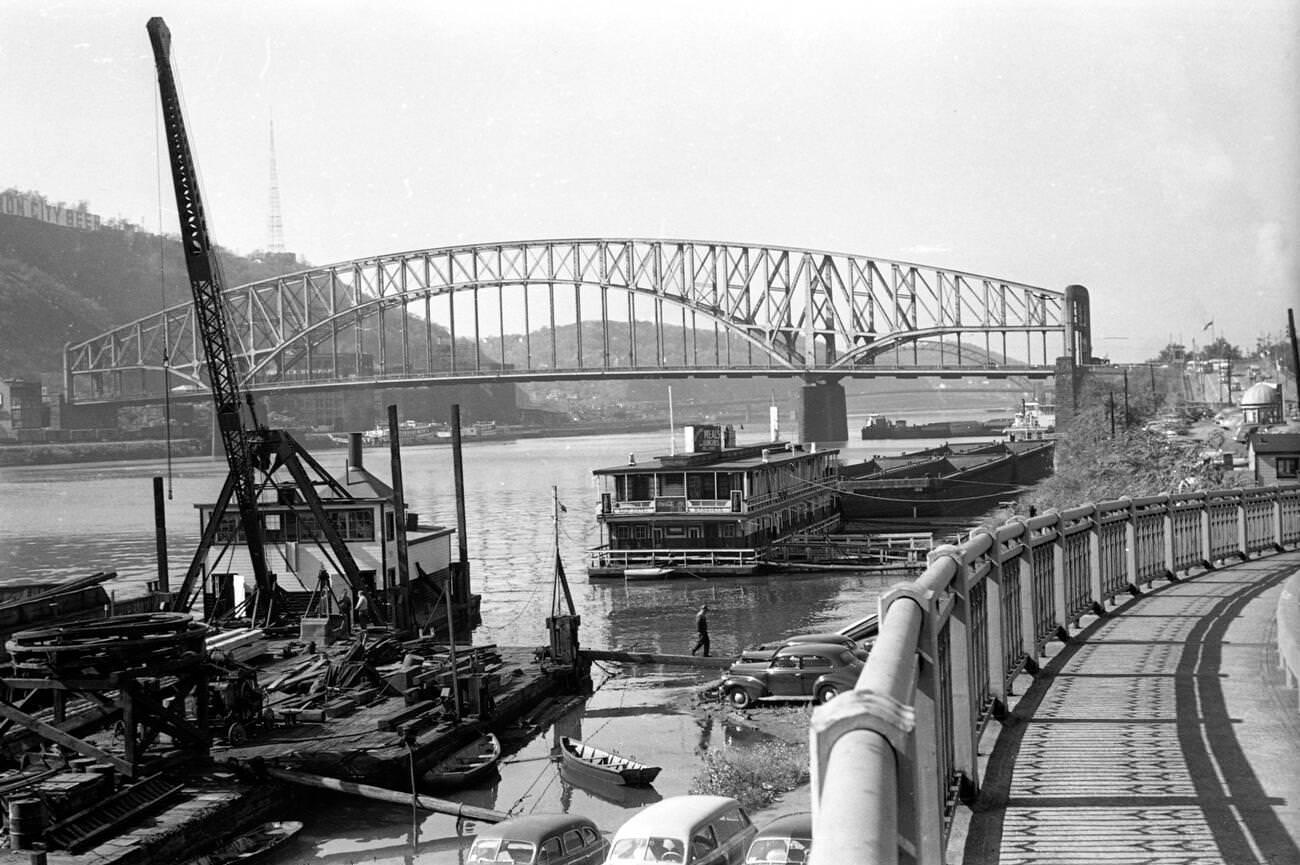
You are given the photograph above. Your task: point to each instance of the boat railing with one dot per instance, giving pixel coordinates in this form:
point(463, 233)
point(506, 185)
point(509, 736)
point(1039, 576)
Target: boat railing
point(952, 641)
point(670, 558)
point(672, 504)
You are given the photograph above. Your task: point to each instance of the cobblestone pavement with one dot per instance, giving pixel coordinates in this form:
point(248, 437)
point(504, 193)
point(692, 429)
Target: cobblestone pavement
point(1163, 734)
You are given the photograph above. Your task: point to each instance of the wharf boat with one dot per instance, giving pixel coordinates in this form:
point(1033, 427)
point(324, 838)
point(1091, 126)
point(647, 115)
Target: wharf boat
point(714, 509)
point(881, 427)
point(584, 761)
point(952, 480)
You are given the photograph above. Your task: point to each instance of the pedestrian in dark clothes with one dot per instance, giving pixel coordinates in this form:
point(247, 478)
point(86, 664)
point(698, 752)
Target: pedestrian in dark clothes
point(702, 631)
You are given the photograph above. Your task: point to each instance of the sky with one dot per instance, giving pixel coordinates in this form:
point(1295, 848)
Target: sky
point(1147, 150)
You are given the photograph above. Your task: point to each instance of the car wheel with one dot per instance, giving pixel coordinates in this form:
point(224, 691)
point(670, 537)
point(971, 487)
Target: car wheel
point(826, 693)
point(739, 697)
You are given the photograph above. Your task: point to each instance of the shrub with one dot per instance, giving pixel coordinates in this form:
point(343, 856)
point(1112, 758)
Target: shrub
point(754, 775)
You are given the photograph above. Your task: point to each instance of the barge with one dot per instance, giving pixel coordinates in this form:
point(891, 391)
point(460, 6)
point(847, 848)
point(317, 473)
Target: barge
point(713, 510)
point(952, 480)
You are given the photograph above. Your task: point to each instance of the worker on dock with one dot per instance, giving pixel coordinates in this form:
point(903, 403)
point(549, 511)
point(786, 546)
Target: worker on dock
point(702, 631)
point(362, 609)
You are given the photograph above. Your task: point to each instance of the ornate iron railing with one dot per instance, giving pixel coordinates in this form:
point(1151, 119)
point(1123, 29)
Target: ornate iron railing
point(892, 759)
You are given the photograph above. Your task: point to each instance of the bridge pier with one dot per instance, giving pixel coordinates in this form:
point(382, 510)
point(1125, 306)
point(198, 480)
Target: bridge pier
point(823, 410)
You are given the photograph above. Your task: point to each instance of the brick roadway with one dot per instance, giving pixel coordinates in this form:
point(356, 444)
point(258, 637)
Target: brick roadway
point(1162, 734)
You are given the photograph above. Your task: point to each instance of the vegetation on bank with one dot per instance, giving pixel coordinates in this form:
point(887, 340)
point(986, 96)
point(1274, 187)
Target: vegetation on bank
point(1107, 453)
point(89, 452)
point(755, 776)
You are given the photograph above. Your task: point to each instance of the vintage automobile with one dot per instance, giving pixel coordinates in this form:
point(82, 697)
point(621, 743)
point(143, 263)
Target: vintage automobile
point(798, 671)
point(695, 830)
point(555, 839)
point(765, 651)
point(787, 840)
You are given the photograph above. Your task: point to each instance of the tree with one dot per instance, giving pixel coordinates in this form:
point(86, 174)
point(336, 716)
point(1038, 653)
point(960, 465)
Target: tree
point(1221, 348)
point(1175, 352)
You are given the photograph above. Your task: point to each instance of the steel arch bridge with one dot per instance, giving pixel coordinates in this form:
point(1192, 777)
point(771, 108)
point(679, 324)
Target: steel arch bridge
point(593, 308)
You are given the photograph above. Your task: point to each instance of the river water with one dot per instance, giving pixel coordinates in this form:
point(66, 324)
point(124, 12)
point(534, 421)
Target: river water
point(58, 522)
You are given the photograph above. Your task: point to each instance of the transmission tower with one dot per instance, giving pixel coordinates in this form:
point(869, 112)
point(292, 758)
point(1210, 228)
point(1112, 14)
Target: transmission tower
point(276, 226)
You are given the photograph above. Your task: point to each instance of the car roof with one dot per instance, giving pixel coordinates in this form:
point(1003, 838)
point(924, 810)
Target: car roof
point(797, 825)
point(535, 827)
point(676, 813)
point(834, 649)
point(827, 637)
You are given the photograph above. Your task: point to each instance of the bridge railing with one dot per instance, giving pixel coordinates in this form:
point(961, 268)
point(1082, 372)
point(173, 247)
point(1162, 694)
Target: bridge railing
point(893, 759)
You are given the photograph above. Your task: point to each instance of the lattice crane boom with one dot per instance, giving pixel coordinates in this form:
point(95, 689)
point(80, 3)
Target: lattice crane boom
point(206, 285)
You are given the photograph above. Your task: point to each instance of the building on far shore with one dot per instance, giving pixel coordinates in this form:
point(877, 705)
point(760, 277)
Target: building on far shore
point(21, 409)
point(1275, 457)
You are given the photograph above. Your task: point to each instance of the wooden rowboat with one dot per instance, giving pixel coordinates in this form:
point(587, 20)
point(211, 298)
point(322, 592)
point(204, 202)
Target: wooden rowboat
point(251, 846)
point(467, 764)
point(585, 761)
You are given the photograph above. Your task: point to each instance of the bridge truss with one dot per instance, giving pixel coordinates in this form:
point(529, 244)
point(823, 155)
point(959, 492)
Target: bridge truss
point(589, 308)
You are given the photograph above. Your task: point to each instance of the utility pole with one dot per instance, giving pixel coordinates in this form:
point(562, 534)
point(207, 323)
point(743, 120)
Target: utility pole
point(1295, 355)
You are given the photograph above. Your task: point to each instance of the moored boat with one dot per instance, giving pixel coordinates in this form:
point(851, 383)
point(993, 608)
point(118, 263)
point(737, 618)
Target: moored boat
point(712, 510)
point(252, 846)
point(584, 761)
point(466, 764)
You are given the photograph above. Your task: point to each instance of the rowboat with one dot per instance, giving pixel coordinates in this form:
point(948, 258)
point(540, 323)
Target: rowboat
point(251, 846)
point(585, 761)
point(467, 764)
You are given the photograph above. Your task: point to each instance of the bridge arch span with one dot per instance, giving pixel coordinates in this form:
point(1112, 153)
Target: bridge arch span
point(585, 307)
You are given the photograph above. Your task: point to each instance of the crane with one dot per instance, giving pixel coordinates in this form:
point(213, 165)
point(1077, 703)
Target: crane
point(251, 449)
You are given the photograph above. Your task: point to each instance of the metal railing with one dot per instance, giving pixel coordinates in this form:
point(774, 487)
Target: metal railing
point(892, 759)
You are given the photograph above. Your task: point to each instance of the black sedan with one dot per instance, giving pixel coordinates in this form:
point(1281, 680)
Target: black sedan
point(798, 671)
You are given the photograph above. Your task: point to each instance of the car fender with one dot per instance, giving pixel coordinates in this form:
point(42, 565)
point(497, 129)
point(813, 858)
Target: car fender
point(749, 683)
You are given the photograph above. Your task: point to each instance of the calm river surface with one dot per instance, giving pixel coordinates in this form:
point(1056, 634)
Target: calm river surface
point(58, 522)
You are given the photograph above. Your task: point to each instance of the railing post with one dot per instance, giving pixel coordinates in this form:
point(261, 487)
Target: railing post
point(1130, 544)
point(1277, 520)
point(996, 642)
point(1243, 540)
point(1028, 618)
point(1095, 586)
point(1060, 601)
point(963, 685)
point(1207, 544)
point(1170, 568)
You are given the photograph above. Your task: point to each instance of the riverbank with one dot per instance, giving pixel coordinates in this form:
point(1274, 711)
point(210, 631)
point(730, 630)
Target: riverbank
point(94, 452)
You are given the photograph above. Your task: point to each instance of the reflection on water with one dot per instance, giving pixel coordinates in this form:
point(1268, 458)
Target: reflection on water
point(64, 521)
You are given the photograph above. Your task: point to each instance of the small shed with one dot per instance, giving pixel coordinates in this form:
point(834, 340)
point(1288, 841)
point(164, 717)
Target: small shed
point(1275, 457)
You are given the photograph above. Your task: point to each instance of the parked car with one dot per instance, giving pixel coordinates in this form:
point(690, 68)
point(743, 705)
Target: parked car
point(700, 830)
point(764, 651)
point(787, 839)
point(553, 839)
point(798, 671)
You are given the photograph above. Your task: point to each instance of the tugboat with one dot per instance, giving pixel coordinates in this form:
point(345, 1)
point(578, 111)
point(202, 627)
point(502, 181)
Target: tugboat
point(713, 510)
point(1034, 422)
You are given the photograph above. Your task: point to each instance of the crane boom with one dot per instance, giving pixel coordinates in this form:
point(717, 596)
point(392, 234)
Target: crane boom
point(206, 285)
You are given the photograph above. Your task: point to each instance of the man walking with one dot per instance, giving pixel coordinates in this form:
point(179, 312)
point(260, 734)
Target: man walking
point(702, 630)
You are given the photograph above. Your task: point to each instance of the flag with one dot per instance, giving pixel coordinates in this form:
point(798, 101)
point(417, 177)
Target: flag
point(1209, 324)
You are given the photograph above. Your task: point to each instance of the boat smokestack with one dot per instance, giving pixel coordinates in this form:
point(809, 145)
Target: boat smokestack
point(354, 450)
point(774, 422)
point(631, 459)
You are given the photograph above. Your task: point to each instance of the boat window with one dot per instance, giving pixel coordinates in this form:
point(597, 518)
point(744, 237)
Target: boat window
point(724, 484)
point(672, 484)
point(701, 485)
point(550, 850)
point(638, 488)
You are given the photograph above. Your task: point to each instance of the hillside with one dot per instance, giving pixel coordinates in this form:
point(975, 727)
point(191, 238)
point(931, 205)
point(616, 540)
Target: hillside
point(60, 285)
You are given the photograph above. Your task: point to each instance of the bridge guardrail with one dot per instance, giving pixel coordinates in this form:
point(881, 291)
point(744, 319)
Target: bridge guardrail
point(892, 759)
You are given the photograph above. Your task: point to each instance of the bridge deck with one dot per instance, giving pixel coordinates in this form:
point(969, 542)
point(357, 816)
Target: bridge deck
point(1164, 735)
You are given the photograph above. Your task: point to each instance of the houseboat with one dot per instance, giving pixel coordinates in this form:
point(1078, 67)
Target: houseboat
point(712, 510)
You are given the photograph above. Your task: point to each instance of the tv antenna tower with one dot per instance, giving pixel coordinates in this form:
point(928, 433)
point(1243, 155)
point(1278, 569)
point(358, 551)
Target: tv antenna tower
point(276, 225)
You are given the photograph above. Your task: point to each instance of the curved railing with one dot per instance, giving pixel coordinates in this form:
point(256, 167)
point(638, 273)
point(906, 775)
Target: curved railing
point(892, 759)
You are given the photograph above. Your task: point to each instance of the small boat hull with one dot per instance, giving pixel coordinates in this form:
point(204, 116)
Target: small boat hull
point(467, 765)
point(252, 846)
point(583, 761)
